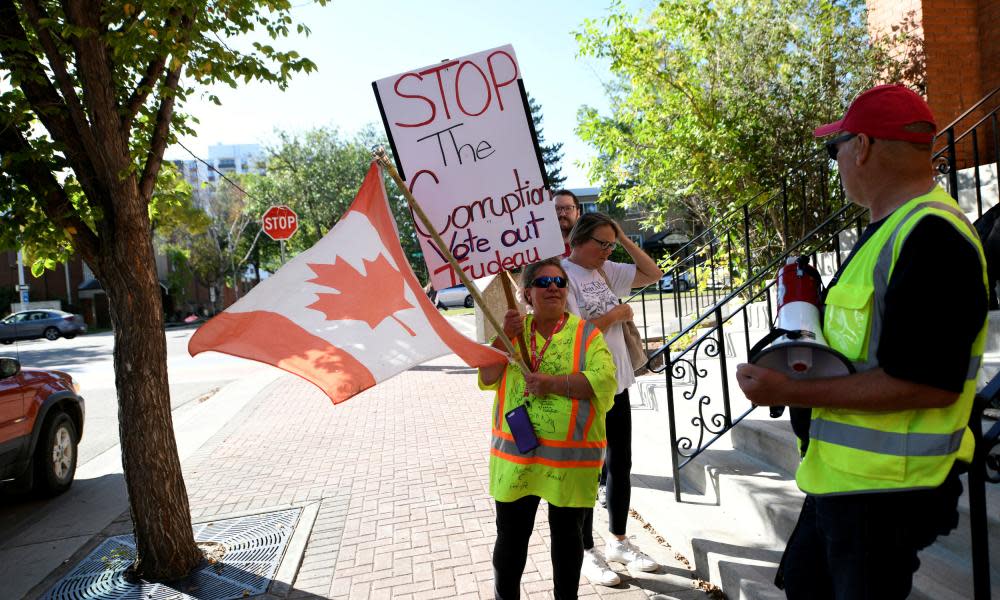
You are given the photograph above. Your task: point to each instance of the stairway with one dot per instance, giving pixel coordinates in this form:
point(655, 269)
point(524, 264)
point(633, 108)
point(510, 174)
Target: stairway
point(739, 501)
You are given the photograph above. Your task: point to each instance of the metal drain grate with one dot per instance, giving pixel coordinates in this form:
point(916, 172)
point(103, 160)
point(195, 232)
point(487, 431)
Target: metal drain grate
point(254, 547)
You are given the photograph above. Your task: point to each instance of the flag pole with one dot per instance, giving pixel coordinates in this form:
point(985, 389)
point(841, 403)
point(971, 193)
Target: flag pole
point(383, 160)
point(512, 303)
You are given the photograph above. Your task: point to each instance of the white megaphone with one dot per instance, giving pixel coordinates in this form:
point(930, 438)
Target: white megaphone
point(796, 346)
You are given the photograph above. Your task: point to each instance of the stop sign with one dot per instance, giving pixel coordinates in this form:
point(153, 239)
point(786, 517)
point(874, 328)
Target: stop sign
point(280, 222)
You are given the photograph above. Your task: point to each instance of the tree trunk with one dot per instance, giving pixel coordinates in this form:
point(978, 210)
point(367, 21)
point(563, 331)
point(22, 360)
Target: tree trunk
point(158, 500)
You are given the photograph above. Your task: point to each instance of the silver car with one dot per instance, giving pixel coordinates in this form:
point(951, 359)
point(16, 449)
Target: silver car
point(48, 324)
point(454, 296)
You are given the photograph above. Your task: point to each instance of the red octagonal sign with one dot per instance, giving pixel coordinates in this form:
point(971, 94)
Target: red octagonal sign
point(280, 222)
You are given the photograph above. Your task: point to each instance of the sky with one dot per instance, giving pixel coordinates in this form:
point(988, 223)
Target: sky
point(355, 42)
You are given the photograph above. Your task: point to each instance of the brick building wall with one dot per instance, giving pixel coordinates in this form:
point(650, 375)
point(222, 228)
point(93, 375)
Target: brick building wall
point(961, 52)
point(989, 43)
point(50, 286)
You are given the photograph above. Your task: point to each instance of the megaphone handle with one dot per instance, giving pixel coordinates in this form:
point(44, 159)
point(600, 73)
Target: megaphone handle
point(777, 332)
point(765, 341)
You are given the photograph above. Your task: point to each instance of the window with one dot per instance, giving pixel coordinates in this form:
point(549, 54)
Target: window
point(637, 238)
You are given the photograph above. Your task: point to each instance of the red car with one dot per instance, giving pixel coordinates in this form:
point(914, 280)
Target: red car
point(41, 421)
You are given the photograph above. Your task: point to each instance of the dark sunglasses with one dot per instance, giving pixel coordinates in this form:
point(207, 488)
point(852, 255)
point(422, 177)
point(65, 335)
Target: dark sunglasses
point(545, 282)
point(833, 146)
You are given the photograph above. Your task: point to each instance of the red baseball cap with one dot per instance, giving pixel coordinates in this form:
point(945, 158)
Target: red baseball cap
point(883, 112)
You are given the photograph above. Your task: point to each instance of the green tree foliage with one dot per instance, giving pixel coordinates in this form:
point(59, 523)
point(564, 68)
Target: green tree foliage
point(172, 206)
point(317, 174)
point(715, 100)
point(179, 276)
point(218, 257)
point(551, 153)
point(92, 94)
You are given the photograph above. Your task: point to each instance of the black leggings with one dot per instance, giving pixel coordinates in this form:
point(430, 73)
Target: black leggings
point(617, 470)
point(515, 522)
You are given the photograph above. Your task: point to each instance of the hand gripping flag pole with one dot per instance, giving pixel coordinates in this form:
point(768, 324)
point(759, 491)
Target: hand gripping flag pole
point(508, 291)
point(383, 160)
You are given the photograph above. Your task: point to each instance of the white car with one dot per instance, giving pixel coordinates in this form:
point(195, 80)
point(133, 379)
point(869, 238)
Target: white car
point(666, 283)
point(454, 296)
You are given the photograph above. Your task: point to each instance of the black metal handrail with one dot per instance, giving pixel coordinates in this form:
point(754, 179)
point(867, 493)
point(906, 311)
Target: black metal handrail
point(970, 110)
point(950, 149)
point(680, 366)
point(723, 253)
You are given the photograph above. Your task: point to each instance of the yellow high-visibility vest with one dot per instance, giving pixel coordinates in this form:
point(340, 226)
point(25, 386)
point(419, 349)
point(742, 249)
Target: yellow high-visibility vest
point(571, 432)
point(862, 451)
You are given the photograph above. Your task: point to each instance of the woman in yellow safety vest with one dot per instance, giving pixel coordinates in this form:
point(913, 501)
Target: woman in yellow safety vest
point(548, 435)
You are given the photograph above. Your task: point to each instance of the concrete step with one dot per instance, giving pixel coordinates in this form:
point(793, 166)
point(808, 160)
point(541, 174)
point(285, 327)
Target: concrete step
point(771, 440)
point(751, 581)
point(757, 506)
point(720, 536)
point(944, 575)
point(947, 564)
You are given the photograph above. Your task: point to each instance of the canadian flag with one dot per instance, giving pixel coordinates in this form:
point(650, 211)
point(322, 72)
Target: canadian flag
point(345, 314)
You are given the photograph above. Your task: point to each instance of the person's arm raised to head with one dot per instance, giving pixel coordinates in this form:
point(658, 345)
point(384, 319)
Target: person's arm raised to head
point(646, 271)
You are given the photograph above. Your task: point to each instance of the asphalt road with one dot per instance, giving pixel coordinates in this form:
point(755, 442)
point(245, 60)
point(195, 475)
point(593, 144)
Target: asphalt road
point(89, 360)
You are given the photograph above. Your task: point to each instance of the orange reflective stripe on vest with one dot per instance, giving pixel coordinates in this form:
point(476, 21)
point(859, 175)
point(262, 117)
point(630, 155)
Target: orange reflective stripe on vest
point(574, 451)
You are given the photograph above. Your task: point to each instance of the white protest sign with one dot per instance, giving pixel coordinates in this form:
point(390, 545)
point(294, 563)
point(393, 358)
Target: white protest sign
point(463, 141)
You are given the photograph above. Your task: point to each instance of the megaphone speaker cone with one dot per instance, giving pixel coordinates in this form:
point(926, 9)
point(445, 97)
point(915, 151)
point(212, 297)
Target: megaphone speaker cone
point(804, 360)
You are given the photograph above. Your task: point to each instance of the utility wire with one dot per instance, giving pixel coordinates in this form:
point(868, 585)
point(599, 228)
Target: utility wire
point(232, 183)
point(212, 168)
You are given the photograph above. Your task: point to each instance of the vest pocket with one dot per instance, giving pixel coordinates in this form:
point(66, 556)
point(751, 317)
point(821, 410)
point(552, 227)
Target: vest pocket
point(847, 319)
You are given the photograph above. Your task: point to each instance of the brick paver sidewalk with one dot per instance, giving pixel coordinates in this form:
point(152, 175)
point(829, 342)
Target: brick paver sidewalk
point(400, 473)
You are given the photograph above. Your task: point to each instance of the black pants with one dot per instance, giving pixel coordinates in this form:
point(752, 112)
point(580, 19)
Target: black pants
point(617, 470)
point(864, 546)
point(515, 521)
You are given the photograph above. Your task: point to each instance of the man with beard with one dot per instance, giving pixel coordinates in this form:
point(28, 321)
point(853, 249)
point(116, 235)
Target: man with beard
point(567, 211)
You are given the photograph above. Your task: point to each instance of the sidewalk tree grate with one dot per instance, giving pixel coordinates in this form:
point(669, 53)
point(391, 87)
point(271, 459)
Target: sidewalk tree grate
point(254, 546)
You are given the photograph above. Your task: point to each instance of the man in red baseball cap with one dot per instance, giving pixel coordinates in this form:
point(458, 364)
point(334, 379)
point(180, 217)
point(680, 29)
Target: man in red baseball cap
point(884, 446)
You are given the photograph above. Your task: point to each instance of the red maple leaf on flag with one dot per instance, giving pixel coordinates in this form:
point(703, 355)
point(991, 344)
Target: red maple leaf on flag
point(373, 297)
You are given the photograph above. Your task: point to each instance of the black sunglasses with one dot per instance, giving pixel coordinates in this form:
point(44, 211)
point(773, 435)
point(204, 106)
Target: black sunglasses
point(833, 146)
point(544, 282)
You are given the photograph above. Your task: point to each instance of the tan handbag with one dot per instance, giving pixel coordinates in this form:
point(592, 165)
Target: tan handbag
point(633, 340)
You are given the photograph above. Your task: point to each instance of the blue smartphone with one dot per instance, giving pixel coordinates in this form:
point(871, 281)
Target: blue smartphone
point(521, 428)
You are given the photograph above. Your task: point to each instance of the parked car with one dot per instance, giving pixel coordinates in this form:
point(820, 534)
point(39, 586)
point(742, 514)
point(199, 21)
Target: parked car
point(456, 295)
point(41, 421)
point(666, 283)
point(48, 324)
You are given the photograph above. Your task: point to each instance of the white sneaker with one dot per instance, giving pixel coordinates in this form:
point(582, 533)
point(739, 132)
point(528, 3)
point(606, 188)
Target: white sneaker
point(602, 495)
point(597, 571)
point(625, 552)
